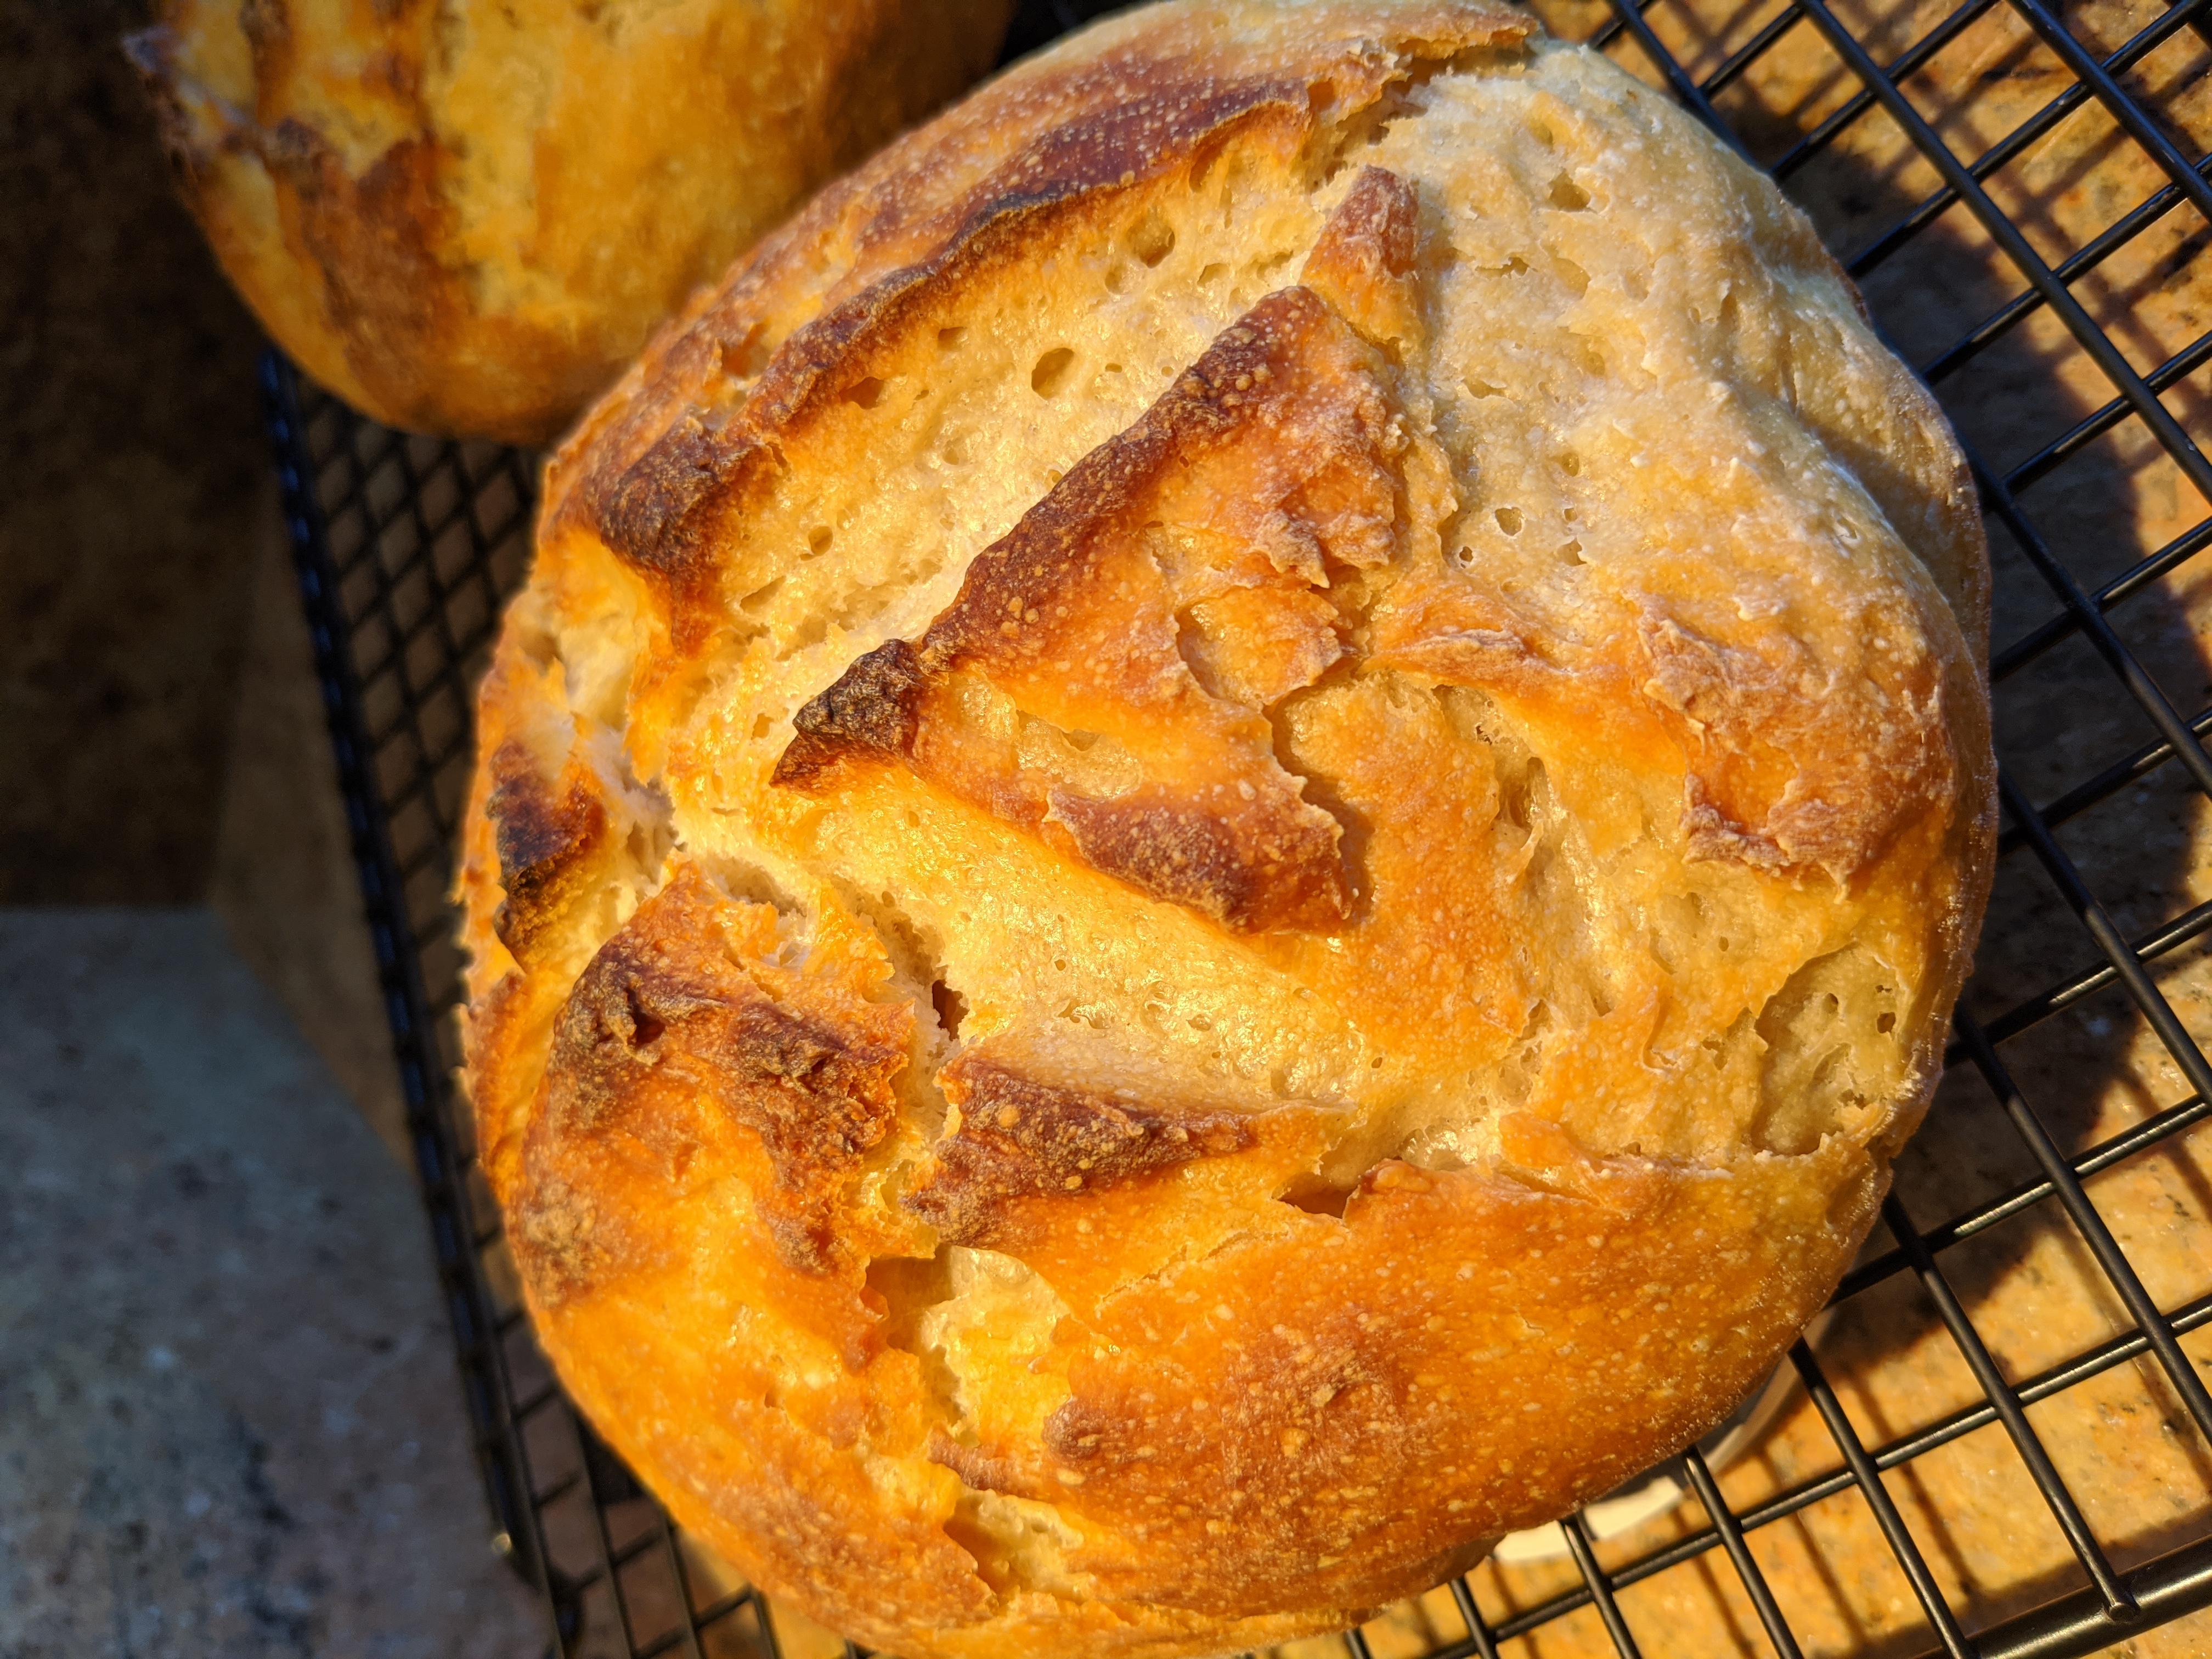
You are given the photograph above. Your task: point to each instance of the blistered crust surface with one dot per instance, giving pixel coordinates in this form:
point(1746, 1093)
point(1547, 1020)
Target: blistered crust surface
point(1226, 830)
point(465, 218)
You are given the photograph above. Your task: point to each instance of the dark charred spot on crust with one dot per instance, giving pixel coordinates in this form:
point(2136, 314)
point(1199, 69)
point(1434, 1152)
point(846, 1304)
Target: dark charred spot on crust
point(796, 1080)
point(872, 709)
point(764, 1044)
point(1020, 1137)
point(547, 836)
point(566, 1238)
point(610, 1028)
point(663, 1023)
point(1257, 872)
point(303, 158)
point(267, 26)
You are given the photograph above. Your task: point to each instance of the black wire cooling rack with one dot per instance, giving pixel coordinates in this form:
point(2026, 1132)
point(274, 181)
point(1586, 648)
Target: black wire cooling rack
point(406, 548)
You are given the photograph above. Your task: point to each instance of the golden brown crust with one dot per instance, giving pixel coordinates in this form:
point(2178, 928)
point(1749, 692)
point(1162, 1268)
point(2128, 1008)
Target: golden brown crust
point(1355, 1382)
point(419, 200)
point(1364, 258)
point(1275, 806)
point(1786, 777)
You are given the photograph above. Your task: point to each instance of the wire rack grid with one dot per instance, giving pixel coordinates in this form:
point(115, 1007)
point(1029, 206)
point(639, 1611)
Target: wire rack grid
point(406, 548)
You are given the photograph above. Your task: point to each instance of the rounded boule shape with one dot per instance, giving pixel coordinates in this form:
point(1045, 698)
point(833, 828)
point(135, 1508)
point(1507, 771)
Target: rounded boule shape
point(1224, 834)
point(465, 218)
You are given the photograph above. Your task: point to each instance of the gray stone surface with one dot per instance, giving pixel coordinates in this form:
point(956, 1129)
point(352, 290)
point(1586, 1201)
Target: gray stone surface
point(229, 1421)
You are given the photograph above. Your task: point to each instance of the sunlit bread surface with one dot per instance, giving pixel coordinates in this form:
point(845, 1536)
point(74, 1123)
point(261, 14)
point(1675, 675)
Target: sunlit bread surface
point(1226, 830)
point(466, 218)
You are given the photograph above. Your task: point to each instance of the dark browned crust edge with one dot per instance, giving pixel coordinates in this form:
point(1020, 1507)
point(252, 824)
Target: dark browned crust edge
point(873, 708)
point(1284, 872)
point(663, 1023)
point(549, 836)
point(1019, 1137)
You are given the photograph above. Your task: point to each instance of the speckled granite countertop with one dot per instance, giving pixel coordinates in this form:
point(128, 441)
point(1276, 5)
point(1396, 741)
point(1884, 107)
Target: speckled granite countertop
point(229, 1421)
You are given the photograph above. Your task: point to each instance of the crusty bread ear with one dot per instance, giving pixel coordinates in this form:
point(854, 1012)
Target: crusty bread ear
point(464, 218)
point(1259, 841)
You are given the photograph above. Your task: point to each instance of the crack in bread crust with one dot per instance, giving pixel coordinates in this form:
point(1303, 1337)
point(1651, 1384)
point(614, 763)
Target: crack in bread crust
point(1278, 446)
point(1791, 777)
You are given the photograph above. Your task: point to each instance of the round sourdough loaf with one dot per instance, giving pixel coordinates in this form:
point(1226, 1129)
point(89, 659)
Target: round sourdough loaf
point(464, 216)
point(1226, 832)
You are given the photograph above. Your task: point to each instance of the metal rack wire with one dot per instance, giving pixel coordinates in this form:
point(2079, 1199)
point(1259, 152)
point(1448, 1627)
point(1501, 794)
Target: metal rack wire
point(406, 548)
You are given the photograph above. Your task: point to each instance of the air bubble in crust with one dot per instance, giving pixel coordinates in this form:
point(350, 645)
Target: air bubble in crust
point(1051, 371)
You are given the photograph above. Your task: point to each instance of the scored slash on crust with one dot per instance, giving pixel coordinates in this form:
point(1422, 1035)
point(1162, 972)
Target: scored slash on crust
point(1275, 446)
